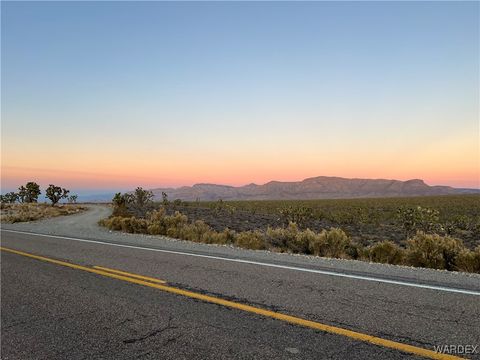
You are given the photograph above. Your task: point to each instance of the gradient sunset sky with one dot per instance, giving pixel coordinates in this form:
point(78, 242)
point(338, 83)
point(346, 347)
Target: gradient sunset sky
point(114, 95)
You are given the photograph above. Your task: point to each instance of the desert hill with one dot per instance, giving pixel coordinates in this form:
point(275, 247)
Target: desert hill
point(321, 187)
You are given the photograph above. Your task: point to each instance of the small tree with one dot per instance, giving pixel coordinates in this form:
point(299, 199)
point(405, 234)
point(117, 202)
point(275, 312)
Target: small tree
point(10, 197)
point(165, 199)
point(30, 192)
point(140, 202)
point(72, 199)
point(142, 197)
point(22, 193)
point(118, 199)
point(120, 205)
point(56, 193)
point(125, 205)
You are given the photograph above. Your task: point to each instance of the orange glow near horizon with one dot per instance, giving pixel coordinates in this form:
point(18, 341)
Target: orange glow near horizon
point(453, 162)
point(12, 177)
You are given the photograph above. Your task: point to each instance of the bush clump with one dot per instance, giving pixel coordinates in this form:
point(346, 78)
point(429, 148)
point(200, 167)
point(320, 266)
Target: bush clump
point(331, 243)
point(288, 239)
point(386, 252)
point(468, 261)
point(250, 240)
point(433, 251)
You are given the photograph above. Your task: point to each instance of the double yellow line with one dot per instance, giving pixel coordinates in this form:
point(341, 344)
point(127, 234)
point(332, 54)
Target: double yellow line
point(160, 285)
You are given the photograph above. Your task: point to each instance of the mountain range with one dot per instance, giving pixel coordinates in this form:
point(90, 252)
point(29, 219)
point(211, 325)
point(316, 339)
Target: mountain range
point(321, 187)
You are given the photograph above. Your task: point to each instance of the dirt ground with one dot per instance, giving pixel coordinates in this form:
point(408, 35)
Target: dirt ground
point(244, 220)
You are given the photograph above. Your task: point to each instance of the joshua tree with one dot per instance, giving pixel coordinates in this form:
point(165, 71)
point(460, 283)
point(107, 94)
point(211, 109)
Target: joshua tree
point(72, 199)
point(137, 203)
point(118, 199)
point(29, 193)
point(142, 197)
point(10, 197)
point(56, 193)
point(165, 198)
point(140, 202)
point(22, 193)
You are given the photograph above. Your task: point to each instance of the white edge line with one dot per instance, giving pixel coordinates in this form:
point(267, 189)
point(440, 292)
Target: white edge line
point(323, 272)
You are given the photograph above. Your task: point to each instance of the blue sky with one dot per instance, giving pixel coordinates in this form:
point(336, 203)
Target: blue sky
point(156, 93)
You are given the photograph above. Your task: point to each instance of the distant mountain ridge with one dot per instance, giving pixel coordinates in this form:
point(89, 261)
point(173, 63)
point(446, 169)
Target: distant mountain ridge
point(321, 187)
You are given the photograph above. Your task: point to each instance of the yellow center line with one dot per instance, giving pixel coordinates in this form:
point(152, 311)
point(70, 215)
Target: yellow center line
point(251, 309)
point(141, 277)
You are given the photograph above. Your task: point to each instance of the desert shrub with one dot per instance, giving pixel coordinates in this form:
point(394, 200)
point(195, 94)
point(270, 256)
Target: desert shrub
point(139, 226)
point(176, 204)
point(331, 243)
point(300, 215)
point(198, 231)
point(386, 252)
point(220, 207)
point(433, 251)
point(289, 239)
point(121, 211)
point(250, 240)
point(125, 224)
point(461, 222)
point(279, 238)
point(225, 237)
point(156, 222)
point(317, 244)
point(301, 242)
point(130, 225)
point(157, 215)
point(174, 223)
point(468, 260)
point(156, 229)
point(113, 223)
point(355, 251)
point(413, 219)
point(355, 215)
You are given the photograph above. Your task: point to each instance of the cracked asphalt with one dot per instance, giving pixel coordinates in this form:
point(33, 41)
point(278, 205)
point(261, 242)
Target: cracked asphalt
point(53, 312)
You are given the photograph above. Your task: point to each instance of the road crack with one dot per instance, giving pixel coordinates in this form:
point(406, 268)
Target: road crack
point(150, 334)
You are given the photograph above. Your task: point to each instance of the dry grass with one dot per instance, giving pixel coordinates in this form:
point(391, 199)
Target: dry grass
point(13, 213)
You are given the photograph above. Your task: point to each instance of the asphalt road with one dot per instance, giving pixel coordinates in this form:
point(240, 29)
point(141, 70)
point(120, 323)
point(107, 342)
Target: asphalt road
point(51, 311)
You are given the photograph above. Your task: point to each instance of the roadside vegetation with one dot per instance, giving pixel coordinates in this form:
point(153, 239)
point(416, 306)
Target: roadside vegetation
point(367, 221)
point(426, 242)
point(23, 205)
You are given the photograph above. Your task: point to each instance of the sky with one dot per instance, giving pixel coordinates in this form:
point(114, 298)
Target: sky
point(100, 96)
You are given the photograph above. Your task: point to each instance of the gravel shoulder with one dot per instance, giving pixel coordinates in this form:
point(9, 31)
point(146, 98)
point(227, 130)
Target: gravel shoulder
point(84, 225)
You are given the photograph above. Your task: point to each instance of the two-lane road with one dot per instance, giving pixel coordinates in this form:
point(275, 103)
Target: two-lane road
point(57, 303)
